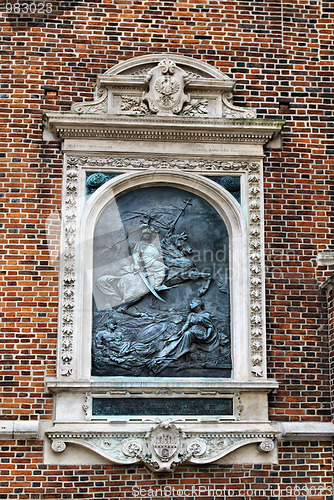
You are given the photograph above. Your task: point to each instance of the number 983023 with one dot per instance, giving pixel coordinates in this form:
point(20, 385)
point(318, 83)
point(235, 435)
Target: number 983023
point(28, 8)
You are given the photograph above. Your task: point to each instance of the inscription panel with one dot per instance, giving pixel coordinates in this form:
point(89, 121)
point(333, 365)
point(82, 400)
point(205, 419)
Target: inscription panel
point(162, 406)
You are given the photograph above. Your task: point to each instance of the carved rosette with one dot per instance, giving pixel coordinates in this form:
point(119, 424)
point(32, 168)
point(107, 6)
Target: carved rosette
point(68, 291)
point(256, 266)
point(164, 447)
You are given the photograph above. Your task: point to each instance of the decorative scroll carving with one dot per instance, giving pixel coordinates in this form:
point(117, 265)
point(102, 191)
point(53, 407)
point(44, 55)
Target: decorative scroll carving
point(163, 448)
point(159, 88)
point(231, 111)
point(98, 106)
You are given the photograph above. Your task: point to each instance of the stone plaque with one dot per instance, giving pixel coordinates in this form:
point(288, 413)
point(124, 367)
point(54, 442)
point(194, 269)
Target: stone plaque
point(162, 406)
point(161, 287)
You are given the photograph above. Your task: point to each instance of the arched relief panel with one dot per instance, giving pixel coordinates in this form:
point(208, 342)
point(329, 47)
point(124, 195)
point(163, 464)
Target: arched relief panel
point(162, 127)
point(229, 211)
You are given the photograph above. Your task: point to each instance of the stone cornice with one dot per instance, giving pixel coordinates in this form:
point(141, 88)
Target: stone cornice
point(151, 128)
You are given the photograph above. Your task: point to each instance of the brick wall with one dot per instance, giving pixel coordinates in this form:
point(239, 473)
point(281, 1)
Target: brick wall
point(304, 470)
point(282, 61)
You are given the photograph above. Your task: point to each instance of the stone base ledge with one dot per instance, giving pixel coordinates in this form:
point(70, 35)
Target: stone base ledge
point(18, 429)
point(307, 430)
point(325, 259)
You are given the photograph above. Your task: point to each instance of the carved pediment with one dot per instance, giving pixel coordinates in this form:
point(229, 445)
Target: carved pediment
point(164, 85)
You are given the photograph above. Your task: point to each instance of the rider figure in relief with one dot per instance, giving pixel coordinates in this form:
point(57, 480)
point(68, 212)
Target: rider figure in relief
point(145, 272)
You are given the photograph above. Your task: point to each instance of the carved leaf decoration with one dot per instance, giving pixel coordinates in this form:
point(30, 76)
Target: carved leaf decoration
point(134, 105)
point(255, 243)
point(256, 268)
point(70, 226)
point(66, 372)
point(67, 358)
point(254, 204)
point(256, 306)
point(256, 358)
point(257, 370)
point(254, 178)
point(195, 107)
point(67, 328)
point(67, 316)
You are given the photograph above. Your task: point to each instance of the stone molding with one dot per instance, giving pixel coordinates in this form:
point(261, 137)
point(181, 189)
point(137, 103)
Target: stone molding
point(307, 430)
point(256, 262)
point(325, 259)
point(153, 128)
point(18, 429)
point(220, 386)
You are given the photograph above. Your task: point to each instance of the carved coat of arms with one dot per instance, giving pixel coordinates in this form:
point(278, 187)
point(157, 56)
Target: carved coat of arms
point(165, 446)
point(166, 88)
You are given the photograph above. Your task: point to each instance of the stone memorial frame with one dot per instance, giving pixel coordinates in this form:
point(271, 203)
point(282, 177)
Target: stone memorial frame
point(162, 120)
